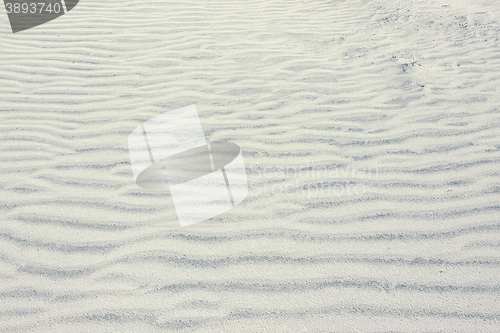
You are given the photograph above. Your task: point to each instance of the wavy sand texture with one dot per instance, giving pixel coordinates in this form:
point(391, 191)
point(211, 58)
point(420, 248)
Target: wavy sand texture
point(409, 91)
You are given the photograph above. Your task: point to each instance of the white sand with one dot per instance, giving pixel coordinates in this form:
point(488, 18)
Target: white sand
point(407, 88)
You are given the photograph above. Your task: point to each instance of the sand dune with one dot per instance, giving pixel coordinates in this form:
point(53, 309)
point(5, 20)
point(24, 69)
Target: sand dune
point(370, 135)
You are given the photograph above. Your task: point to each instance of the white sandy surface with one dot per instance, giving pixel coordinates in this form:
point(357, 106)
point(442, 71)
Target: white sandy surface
point(408, 91)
